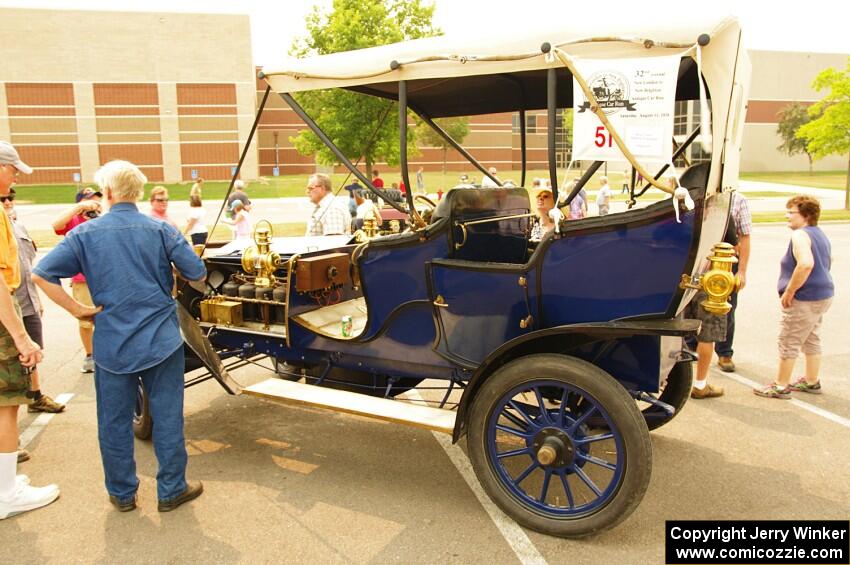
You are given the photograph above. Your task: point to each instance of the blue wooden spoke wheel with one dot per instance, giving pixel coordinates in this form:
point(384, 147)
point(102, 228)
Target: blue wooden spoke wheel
point(142, 421)
point(559, 445)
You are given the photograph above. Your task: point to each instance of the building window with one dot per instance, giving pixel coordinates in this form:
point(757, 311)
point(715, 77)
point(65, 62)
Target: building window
point(530, 123)
point(680, 118)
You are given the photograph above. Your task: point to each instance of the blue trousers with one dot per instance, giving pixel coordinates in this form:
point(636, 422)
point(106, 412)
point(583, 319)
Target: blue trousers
point(116, 400)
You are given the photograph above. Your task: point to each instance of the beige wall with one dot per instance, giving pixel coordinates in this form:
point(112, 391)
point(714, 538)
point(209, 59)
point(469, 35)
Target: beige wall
point(66, 45)
point(778, 79)
point(760, 153)
point(157, 51)
point(785, 75)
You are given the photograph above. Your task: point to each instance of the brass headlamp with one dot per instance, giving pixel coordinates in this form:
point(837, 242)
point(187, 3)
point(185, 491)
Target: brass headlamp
point(718, 282)
point(259, 259)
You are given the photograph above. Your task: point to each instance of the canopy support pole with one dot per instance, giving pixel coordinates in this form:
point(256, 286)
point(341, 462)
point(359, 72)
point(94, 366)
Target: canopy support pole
point(296, 107)
point(442, 133)
point(416, 219)
point(551, 110)
point(522, 145)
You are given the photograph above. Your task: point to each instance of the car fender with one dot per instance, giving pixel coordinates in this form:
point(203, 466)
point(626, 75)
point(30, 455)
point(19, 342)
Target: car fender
point(559, 339)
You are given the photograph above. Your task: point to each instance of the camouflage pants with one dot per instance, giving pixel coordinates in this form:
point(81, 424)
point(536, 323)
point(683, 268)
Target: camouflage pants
point(14, 379)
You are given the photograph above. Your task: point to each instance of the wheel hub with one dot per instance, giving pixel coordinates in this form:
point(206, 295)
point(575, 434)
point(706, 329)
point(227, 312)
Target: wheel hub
point(553, 448)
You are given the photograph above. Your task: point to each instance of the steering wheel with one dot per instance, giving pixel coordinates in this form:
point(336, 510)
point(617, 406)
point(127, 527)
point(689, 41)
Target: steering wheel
point(426, 200)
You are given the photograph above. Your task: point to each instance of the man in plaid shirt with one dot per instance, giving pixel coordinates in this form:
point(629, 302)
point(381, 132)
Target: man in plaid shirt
point(330, 216)
point(743, 221)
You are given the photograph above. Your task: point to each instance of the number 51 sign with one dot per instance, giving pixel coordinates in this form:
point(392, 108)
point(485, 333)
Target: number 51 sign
point(638, 98)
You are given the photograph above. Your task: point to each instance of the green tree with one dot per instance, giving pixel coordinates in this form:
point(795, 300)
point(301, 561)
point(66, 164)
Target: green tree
point(457, 128)
point(829, 131)
point(791, 118)
point(358, 124)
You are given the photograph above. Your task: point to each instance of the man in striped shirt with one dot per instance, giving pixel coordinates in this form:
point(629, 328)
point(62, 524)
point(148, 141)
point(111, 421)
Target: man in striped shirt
point(743, 223)
point(330, 216)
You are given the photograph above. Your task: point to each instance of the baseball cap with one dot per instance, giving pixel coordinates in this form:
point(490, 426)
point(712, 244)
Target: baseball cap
point(9, 156)
point(87, 193)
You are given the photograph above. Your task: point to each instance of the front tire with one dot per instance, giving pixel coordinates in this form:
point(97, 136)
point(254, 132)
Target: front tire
point(539, 448)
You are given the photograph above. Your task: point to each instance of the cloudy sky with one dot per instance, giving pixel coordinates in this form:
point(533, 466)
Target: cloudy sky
point(813, 25)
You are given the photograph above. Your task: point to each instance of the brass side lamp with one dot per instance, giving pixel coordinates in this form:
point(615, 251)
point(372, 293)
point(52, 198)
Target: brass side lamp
point(718, 282)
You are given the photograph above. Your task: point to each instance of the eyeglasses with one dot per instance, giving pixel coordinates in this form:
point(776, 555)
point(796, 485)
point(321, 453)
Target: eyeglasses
point(10, 198)
point(792, 212)
point(314, 187)
point(160, 199)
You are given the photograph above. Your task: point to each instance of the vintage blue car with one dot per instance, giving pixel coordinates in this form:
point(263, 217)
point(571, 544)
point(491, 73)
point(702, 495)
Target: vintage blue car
point(554, 358)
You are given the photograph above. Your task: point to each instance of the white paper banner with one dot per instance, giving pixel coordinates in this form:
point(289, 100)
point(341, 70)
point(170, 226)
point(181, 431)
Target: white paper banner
point(638, 97)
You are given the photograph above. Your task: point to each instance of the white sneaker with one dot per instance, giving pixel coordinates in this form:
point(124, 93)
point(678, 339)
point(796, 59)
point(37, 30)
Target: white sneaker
point(26, 498)
point(88, 365)
point(22, 479)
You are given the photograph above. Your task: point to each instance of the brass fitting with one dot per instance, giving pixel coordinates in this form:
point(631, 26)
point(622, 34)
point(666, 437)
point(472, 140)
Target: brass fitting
point(259, 259)
point(370, 225)
point(718, 282)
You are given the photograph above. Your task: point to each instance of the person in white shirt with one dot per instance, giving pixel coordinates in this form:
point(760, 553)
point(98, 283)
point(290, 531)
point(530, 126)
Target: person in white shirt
point(330, 216)
point(365, 206)
point(243, 225)
point(487, 182)
point(603, 197)
point(195, 225)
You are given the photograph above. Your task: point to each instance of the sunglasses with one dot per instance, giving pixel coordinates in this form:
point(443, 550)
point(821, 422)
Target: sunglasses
point(10, 198)
point(160, 199)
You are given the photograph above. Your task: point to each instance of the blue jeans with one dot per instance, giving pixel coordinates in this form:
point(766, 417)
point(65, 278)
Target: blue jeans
point(724, 348)
point(116, 400)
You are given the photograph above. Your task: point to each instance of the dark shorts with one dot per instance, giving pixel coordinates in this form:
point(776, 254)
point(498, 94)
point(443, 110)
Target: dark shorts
point(14, 379)
point(199, 238)
point(32, 323)
point(713, 327)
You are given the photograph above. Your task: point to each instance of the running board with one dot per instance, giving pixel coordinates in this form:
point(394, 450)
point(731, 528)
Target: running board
point(416, 415)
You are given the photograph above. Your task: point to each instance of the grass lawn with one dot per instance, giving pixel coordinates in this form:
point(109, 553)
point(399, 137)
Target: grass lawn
point(835, 180)
point(825, 215)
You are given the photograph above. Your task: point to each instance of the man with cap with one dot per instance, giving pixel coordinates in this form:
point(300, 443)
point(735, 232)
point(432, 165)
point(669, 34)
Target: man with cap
point(18, 355)
point(353, 189)
point(87, 208)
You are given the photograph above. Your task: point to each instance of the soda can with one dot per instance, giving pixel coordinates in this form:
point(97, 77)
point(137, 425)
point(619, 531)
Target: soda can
point(347, 325)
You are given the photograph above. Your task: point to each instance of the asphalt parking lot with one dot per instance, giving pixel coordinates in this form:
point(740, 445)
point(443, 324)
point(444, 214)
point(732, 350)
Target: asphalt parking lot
point(302, 485)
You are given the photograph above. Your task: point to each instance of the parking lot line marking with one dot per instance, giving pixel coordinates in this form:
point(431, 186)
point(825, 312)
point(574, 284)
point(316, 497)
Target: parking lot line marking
point(840, 420)
point(37, 425)
point(516, 537)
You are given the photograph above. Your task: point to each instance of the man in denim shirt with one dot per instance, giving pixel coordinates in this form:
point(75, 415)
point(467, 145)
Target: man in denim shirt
point(127, 258)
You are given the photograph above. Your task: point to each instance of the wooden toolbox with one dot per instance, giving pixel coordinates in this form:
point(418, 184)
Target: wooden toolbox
point(323, 271)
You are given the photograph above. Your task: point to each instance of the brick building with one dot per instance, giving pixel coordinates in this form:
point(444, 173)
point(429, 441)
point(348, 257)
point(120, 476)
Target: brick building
point(177, 94)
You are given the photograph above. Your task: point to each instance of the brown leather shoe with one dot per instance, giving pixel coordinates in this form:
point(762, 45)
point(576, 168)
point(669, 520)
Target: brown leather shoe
point(710, 391)
point(726, 364)
point(123, 506)
point(193, 491)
